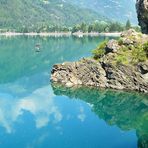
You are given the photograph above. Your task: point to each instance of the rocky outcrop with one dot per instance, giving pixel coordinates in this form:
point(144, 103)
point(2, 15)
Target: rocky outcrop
point(142, 11)
point(88, 72)
point(108, 71)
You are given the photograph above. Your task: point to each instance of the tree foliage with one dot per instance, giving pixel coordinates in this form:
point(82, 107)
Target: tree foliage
point(128, 25)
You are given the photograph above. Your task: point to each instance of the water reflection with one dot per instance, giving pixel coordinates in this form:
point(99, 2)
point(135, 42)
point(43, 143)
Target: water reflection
point(31, 115)
point(18, 56)
point(40, 104)
point(24, 74)
point(126, 110)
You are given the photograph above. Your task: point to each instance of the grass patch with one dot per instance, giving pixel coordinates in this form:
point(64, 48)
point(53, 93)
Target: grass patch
point(131, 54)
point(121, 59)
point(145, 47)
point(120, 42)
point(139, 54)
point(100, 50)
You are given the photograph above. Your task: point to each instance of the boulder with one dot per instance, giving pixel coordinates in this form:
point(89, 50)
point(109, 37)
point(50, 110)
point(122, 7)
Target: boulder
point(88, 72)
point(142, 12)
point(112, 46)
point(130, 32)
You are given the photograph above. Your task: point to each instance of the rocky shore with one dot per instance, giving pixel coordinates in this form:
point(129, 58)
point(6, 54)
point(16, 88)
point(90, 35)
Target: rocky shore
point(116, 68)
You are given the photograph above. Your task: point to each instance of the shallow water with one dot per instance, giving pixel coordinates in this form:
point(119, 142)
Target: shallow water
point(36, 114)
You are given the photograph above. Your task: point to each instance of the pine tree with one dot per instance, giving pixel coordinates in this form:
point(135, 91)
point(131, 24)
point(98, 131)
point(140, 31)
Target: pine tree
point(128, 25)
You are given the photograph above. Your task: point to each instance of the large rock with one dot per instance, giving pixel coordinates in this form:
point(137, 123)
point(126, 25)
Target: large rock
point(88, 72)
point(130, 37)
point(107, 72)
point(84, 72)
point(142, 11)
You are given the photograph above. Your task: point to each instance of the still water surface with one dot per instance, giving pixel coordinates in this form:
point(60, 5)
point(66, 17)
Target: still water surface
point(36, 114)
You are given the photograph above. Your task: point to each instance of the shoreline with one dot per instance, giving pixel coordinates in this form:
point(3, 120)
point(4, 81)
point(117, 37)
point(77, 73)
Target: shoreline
point(60, 34)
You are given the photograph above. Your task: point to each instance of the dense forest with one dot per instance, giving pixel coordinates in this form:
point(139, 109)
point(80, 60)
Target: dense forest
point(56, 15)
point(30, 14)
point(109, 26)
point(97, 26)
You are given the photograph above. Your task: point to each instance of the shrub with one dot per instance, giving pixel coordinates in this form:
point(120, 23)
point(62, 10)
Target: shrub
point(145, 47)
point(98, 53)
point(121, 59)
point(120, 42)
point(124, 49)
point(100, 50)
point(139, 54)
point(103, 44)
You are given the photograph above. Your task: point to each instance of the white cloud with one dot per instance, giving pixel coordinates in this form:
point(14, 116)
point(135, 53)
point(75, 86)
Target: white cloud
point(40, 104)
point(82, 115)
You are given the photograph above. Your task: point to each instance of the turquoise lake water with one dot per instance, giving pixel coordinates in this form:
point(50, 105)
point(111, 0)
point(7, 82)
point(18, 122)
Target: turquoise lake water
point(36, 114)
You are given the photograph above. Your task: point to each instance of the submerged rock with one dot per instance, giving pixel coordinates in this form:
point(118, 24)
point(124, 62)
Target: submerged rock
point(108, 71)
point(142, 11)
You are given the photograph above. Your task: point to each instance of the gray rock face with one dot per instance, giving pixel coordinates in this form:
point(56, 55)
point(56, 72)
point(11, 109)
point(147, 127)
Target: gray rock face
point(84, 72)
point(112, 46)
point(142, 11)
point(88, 72)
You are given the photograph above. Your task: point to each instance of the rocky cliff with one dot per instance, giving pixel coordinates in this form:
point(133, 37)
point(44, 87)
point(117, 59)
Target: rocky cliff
point(142, 11)
point(123, 65)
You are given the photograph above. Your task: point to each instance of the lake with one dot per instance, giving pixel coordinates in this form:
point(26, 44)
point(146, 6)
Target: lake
point(37, 114)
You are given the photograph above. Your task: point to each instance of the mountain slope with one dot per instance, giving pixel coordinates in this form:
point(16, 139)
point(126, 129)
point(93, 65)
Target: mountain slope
point(119, 10)
point(18, 13)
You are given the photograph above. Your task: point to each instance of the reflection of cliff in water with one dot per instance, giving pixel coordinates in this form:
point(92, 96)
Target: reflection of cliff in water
point(128, 111)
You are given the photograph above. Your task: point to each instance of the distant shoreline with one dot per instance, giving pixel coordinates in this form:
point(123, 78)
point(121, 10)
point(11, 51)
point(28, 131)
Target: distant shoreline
point(60, 34)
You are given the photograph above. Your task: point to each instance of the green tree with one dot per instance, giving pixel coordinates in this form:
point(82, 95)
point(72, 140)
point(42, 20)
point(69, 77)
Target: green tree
point(76, 28)
point(90, 28)
point(128, 25)
point(83, 27)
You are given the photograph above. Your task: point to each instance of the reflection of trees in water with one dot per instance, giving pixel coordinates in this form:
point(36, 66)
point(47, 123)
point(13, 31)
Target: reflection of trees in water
point(126, 110)
point(142, 139)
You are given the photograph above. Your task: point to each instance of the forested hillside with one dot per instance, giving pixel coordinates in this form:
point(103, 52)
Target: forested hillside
point(118, 10)
point(33, 13)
